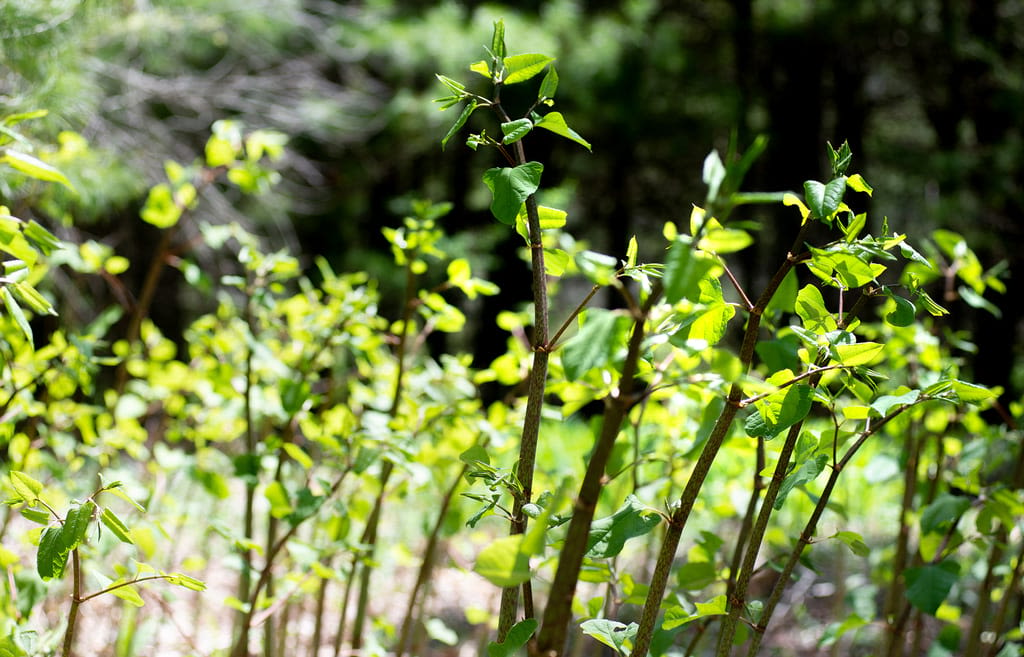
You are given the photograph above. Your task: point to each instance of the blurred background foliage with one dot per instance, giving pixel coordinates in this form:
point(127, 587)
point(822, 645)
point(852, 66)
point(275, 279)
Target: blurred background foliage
point(929, 94)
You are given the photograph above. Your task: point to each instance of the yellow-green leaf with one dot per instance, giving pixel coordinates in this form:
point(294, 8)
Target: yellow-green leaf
point(34, 167)
point(862, 353)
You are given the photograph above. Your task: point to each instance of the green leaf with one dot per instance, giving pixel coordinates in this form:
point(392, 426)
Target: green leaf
point(116, 527)
point(515, 130)
point(185, 581)
point(609, 535)
point(857, 183)
point(928, 586)
point(504, 562)
point(810, 307)
point(805, 473)
point(37, 516)
point(160, 209)
point(855, 355)
point(510, 187)
point(839, 160)
point(517, 637)
point(29, 296)
point(695, 575)
point(128, 593)
point(52, 557)
point(598, 343)
point(519, 68)
point(972, 393)
point(780, 411)
point(713, 174)
point(16, 312)
point(684, 270)
point(298, 455)
point(824, 200)
point(855, 542)
point(34, 167)
point(481, 67)
point(725, 240)
point(280, 505)
point(76, 524)
point(676, 616)
point(459, 122)
point(498, 40)
point(555, 122)
point(597, 267)
point(549, 85)
point(944, 511)
point(611, 633)
point(902, 314)
point(41, 238)
point(885, 403)
point(26, 487)
point(10, 648)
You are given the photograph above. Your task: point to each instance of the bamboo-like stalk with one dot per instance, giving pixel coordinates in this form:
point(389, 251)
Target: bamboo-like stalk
point(681, 513)
point(558, 613)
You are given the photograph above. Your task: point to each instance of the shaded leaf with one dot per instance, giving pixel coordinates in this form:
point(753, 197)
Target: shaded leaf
point(611, 633)
point(597, 344)
point(459, 122)
point(515, 130)
point(805, 473)
point(609, 535)
point(516, 638)
point(928, 586)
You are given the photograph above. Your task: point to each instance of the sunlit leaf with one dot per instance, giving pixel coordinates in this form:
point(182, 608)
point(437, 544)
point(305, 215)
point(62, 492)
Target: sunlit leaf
point(519, 68)
point(555, 122)
point(597, 344)
point(34, 167)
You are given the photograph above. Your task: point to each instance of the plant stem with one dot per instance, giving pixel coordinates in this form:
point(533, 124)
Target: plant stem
point(558, 613)
point(76, 602)
point(534, 400)
point(807, 535)
point(681, 514)
point(369, 537)
point(427, 565)
point(248, 528)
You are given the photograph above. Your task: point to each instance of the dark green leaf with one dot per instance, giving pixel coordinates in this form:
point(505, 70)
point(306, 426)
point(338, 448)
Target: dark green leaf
point(684, 270)
point(516, 638)
point(944, 510)
point(515, 130)
point(695, 575)
point(840, 159)
point(76, 524)
point(597, 344)
point(903, 314)
point(510, 187)
point(928, 586)
point(609, 535)
point(810, 307)
point(549, 85)
point(804, 473)
point(459, 122)
point(824, 199)
point(52, 557)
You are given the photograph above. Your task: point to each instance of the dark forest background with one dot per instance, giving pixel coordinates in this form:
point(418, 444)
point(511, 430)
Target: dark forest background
point(928, 93)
